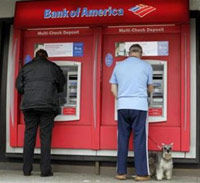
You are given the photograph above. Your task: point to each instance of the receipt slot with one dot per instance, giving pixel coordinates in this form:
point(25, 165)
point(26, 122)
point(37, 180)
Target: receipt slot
point(157, 100)
point(69, 99)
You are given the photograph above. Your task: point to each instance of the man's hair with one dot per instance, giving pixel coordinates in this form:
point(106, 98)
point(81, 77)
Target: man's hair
point(41, 53)
point(135, 48)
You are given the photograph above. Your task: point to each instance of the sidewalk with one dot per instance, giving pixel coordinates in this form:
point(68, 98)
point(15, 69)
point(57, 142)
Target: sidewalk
point(11, 176)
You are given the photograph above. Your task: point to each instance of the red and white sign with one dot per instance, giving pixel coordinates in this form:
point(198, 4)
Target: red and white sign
point(142, 10)
point(155, 112)
point(69, 111)
point(105, 12)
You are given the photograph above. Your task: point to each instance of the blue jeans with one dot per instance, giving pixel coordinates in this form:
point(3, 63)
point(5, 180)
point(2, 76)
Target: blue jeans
point(132, 120)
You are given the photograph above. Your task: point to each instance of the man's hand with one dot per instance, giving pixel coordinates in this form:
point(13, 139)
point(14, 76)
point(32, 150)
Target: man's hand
point(114, 89)
point(150, 88)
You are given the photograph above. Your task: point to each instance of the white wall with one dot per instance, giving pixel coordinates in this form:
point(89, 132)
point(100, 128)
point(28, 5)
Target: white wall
point(7, 7)
point(195, 5)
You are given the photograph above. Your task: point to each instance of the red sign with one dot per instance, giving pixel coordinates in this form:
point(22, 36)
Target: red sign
point(69, 111)
point(155, 112)
point(104, 12)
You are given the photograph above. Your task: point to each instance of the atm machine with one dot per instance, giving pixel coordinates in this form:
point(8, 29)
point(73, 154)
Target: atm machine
point(158, 98)
point(69, 99)
point(87, 109)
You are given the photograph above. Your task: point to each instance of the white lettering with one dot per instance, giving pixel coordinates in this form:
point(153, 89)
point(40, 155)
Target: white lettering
point(141, 30)
point(71, 32)
point(125, 30)
point(162, 29)
point(138, 30)
point(42, 33)
point(55, 32)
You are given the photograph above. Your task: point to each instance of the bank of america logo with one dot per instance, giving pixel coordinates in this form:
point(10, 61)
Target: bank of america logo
point(142, 10)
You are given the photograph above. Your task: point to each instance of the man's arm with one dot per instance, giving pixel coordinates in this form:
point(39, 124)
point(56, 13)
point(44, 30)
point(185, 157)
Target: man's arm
point(114, 89)
point(150, 80)
point(60, 79)
point(150, 88)
point(20, 83)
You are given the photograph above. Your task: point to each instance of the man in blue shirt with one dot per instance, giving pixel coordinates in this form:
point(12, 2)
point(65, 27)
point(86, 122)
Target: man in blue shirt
point(131, 81)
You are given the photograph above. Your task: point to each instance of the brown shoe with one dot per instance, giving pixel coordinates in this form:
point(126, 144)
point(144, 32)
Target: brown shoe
point(142, 178)
point(121, 176)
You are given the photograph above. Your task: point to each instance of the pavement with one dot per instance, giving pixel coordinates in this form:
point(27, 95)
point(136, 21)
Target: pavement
point(16, 176)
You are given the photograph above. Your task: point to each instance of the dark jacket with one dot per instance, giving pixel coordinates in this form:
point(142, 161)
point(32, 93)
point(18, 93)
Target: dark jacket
point(39, 82)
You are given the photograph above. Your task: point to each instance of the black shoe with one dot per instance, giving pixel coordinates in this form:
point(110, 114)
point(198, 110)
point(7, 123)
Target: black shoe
point(46, 174)
point(27, 174)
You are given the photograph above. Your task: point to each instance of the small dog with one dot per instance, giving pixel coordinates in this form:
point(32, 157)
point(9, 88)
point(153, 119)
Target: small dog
point(161, 163)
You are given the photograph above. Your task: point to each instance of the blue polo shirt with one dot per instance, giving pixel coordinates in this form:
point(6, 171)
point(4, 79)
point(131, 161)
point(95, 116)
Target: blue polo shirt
point(132, 77)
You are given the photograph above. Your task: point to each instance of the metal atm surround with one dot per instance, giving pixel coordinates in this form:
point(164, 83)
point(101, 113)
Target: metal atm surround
point(159, 93)
point(75, 104)
point(158, 98)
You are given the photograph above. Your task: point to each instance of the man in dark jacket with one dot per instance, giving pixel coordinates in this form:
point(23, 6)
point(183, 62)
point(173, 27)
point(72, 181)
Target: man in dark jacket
point(39, 82)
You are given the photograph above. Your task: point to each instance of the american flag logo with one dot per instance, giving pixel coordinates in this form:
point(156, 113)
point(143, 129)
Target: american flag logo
point(142, 10)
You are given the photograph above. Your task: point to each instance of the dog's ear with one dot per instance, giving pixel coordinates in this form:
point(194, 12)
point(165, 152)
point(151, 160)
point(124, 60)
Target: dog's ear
point(162, 144)
point(172, 144)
